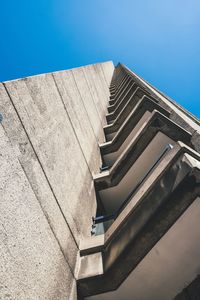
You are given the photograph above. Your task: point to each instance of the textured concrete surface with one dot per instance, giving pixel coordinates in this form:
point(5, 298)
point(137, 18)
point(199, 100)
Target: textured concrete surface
point(96, 91)
point(89, 103)
point(49, 152)
point(49, 137)
point(43, 115)
point(37, 178)
point(179, 197)
point(181, 114)
point(107, 68)
point(32, 266)
point(78, 117)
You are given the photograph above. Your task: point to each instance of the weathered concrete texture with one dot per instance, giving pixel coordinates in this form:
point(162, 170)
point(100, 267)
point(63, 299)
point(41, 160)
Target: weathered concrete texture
point(100, 74)
point(179, 113)
point(34, 172)
point(78, 117)
point(32, 265)
point(43, 115)
point(108, 69)
point(98, 95)
point(54, 124)
point(89, 103)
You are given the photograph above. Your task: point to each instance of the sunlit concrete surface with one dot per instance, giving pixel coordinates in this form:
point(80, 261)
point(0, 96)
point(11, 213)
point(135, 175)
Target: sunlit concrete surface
point(52, 124)
point(74, 145)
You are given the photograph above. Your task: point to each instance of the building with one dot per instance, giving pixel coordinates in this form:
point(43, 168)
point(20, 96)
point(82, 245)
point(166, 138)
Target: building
point(99, 189)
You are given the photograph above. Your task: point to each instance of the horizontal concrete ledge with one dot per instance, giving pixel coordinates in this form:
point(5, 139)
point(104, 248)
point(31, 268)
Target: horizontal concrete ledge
point(124, 100)
point(154, 92)
point(87, 246)
point(120, 85)
point(124, 96)
point(110, 107)
point(120, 94)
point(145, 104)
point(114, 87)
point(166, 194)
point(128, 107)
point(112, 94)
point(112, 101)
point(157, 122)
point(179, 149)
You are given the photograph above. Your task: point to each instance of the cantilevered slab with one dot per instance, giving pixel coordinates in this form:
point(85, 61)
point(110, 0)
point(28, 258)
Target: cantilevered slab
point(145, 104)
point(119, 106)
point(162, 199)
point(128, 107)
point(121, 100)
point(120, 83)
point(157, 122)
point(183, 115)
point(117, 89)
point(122, 87)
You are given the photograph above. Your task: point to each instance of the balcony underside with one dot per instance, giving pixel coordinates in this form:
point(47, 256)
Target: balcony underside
point(163, 198)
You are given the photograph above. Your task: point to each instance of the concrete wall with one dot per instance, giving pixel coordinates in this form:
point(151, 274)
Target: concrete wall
point(49, 137)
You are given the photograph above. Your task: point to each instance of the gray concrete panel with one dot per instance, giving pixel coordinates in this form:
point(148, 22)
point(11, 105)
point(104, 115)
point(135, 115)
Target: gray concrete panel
point(96, 92)
point(54, 123)
point(34, 172)
point(100, 85)
point(42, 112)
point(78, 117)
point(32, 265)
point(89, 104)
point(108, 69)
point(99, 72)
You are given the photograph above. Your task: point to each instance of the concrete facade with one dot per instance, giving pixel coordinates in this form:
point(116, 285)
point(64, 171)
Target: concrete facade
point(97, 141)
point(148, 198)
point(51, 128)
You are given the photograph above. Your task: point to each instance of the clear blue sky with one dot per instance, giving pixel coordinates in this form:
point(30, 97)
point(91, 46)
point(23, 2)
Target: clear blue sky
point(157, 39)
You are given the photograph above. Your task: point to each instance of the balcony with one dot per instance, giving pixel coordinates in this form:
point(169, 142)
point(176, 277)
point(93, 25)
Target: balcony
point(153, 209)
point(136, 119)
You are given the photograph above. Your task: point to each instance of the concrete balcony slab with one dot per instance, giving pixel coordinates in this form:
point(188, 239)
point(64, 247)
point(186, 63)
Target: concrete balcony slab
point(118, 107)
point(130, 104)
point(114, 96)
point(120, 81)
point(157, 122)
point(114, 99)
point(115, 110)
point(163, 198)
point(111, 150)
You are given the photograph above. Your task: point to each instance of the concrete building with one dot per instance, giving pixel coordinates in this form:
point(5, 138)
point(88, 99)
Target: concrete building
point(99, 189)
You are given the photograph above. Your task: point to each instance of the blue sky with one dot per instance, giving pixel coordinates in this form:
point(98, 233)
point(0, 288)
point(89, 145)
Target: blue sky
point(157, 39)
